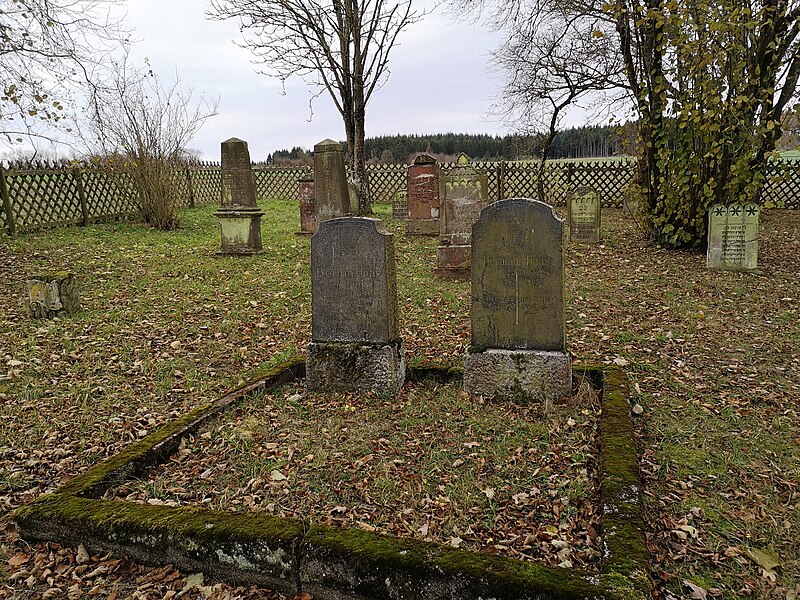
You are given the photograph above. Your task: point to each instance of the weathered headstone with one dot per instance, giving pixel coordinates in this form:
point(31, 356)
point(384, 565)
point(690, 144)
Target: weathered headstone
point(518, 349)
point(239, 216)
point(464, 193)
point(422, 184)
point(355, 344)
point(331, 191)
point(733, 237)
point(583, 213)
point(307, 221)
point(400, 205)
point(54, 295)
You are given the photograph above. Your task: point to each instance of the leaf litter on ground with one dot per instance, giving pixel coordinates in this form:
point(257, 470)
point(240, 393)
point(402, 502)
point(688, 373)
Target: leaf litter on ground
point(714, 359)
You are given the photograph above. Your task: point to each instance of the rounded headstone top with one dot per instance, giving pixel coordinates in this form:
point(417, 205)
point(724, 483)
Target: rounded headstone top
point(327, 145)
point(424, 159)
point(234, 140)
point(519, 207)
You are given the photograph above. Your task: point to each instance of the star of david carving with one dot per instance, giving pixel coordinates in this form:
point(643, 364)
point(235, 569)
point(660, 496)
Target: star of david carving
point(719, 211)
point(751, 210)
point(736, 210)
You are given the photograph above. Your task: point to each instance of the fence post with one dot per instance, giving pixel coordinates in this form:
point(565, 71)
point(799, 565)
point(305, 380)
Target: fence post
point(12, 226)
point(77, 176)
point(569, 181)
point(501, 180)
point(191, 187)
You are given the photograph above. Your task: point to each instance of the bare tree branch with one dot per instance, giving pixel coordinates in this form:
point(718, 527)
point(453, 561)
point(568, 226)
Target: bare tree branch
point(342, 46)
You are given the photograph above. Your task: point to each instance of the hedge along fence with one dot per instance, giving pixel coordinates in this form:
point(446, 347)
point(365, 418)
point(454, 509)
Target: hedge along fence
point(48, 195)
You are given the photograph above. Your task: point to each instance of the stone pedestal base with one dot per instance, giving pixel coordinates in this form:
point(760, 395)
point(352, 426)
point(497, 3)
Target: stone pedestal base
point(524, 376)
point(430, 228)
point(453, 261)
point(52, 296)
point(240, 229)
point(349, 367)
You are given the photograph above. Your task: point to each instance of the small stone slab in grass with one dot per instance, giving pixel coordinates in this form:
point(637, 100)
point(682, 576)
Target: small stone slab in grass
point(336, 562)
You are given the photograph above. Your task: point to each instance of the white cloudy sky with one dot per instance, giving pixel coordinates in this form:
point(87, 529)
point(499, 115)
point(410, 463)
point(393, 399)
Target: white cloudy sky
point(441, 80)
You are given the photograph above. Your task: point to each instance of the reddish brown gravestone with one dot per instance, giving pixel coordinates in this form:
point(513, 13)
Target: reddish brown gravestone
point(422, 184)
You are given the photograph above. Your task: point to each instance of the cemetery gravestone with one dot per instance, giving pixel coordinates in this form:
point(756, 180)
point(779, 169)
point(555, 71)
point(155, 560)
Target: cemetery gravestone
point(733, 237)
point(355, 342)
point(518, 349)
point(422, 184)
point(400, 206)
point(239, 216)
point(307, 221)
point(584, 216)
point(464, 193)
point(52, 296)
point(331, 190)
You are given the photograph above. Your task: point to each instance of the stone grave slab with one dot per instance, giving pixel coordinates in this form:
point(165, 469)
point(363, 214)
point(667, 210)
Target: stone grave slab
point(422, 184)
point(239, 216)
point(355, 344)
point(518, 346)
point(400, 206)
point(583, 212)
point(306, 192)
point(52, 295)
point(464, 193)
point(733, 237)
point(331, 190)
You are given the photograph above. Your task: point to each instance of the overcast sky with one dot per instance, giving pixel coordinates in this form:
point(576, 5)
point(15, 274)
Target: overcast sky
point(440, 81)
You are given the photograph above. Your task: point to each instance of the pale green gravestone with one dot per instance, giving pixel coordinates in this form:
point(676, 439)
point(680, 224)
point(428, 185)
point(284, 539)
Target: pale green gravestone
point(518, 347)
point(355, 343)
point(463, 194)
point(733, 237)
point(331, 190)
point(400, 205)
point(583, 214)
point(239, 216)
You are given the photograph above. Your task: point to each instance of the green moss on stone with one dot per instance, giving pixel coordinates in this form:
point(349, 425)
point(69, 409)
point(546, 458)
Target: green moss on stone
point(416, 561)
point(626, 560)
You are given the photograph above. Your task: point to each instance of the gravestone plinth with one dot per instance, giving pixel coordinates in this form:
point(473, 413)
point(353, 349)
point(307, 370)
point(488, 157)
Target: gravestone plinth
point(422, 184)
point(239, 215)
point(331, 190)
point(583, 215)
point(54, 295)
point(400, 206)
point(733, 237)
point(307, 220)
point(464, 193)
point(518, 349)
point(355, 344)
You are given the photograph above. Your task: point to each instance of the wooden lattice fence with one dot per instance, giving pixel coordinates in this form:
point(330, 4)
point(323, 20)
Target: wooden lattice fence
point(520, 179)
point(280, 182)
point(48, 195)
point(385, 181)
point(782, 188)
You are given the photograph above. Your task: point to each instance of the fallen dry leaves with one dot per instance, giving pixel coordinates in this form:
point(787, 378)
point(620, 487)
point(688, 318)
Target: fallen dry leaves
point(714, 358)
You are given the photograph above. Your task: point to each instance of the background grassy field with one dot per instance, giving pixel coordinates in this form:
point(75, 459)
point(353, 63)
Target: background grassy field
point(714, 356)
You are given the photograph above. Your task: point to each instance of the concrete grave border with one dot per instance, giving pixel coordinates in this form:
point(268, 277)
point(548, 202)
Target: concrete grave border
point(338, 563)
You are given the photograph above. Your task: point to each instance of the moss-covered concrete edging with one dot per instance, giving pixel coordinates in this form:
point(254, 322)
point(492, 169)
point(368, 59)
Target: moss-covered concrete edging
point(334, 563)
point(625, 557)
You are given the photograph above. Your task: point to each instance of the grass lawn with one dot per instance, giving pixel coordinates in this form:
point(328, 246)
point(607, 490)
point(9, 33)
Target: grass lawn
point(714, 356)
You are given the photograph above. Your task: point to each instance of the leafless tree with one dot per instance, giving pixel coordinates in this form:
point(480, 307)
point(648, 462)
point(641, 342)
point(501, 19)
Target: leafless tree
point(343, 46)
point(48, 49)
point(139, 125)
point(551, 63)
